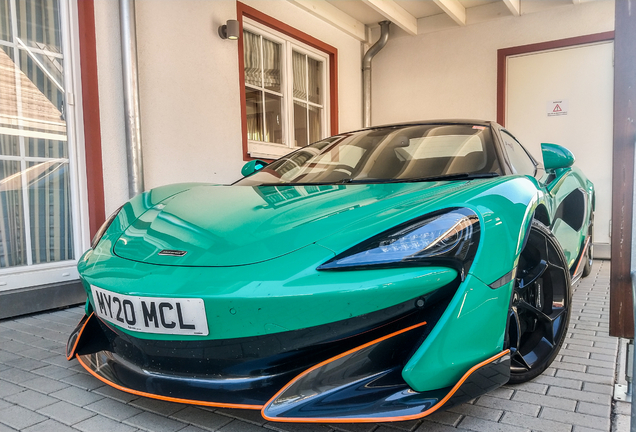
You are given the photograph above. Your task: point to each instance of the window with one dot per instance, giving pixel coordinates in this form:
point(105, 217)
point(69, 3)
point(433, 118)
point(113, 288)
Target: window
point(289, 87)
point(38, 213)
point(519, 159)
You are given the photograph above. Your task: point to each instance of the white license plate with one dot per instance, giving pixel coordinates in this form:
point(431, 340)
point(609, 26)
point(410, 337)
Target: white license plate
point(182, 316)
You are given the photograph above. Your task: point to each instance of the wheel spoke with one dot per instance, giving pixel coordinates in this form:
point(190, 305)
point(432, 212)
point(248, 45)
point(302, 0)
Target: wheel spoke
point(515, 328)
point(535, 273)
point(540, 315)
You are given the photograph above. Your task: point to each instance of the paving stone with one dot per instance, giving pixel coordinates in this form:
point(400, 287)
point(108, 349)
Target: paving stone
point(99, 423)
point(26, 364)
point(502, 392)
point(84, 381)
point(7, 356)
point(239, 426)
point(7, 388)
point(157, 406)
point(598, 388)
point(559, 382)
point(296, 427)
point(20, 418)
point(587, 362)
point(49, 426)
point(568, 366)
point(66, 413)
point(535, 423)
point(544, 400)
point(446, 417)
point(480, 425)
point(576, 418)
point(203, 418)
point(16, 376)
point(603, 357)
point(31, 399)
point(250, 416)
point(113, 393)
point(76, 396)
point(424, 427)
point(594, 409)
point(622, 408)
point(578, 376)
point(621, 423)
point(113, 409)
point(580, 395)
point(609, 372)
point(156, 423)
point(478, 411)
point(37, 353)
point(53, 371)
point(409, 425)
point(191, 428)
point(532, 387)
point(4, 404)
point(356, 427)
point(44, 385)
point(510, 405)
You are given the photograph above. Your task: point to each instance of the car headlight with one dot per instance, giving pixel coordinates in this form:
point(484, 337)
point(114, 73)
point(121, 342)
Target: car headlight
point(100, 232)
point(447, 238)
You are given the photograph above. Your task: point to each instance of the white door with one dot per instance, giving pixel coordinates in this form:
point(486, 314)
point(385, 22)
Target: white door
point(566, 97)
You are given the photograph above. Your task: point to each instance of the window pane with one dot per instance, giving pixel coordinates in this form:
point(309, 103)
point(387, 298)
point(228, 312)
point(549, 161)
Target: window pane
point(9, 145)
point(39, 24)
point(252, 58)
point(519, 159)
point(315, 80)
point(300, 124)
point(5, 21)
point(46, 148)
point(254, 105)
point(315, 129)
point(271, 65)
point(12, 242)
point(273, 118)
point(50, 208)
point(300, 75)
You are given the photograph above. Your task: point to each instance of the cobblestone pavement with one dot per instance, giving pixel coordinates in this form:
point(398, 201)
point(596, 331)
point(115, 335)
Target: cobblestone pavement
point(41, 391)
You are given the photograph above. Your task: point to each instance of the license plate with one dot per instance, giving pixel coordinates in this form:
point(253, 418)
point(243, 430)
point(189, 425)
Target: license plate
point(181, 316)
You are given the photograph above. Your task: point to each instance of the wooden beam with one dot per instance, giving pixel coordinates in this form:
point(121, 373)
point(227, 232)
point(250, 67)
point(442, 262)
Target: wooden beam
point(453, 9)
point(513, 6)
point(395, 13)
point(621, 313)
point(334, 16)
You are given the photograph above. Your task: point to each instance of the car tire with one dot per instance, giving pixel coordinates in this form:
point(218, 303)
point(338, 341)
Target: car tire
point(540, 305)
point(589, 254)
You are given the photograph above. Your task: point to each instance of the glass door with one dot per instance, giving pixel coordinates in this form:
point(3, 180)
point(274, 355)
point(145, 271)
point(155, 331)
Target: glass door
point(36, 198)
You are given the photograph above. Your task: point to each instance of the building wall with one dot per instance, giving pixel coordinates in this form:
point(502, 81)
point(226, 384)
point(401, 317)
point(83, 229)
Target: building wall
point(453, 73)
point(189, 89)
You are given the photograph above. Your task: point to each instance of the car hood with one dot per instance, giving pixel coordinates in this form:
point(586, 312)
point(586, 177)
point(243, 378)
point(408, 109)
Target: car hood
point(214, 226)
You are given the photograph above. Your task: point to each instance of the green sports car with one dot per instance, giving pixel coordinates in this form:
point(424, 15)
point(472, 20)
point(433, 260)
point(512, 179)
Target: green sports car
point(376, 275)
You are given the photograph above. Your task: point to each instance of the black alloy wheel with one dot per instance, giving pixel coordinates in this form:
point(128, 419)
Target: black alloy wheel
point(540, 305)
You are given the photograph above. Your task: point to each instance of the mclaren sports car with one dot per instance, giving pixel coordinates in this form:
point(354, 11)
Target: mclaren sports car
point(376, 275)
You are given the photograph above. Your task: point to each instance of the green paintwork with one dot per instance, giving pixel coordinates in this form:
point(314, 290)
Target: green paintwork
point(252, 166)
point(556, 156)
point(253, 252)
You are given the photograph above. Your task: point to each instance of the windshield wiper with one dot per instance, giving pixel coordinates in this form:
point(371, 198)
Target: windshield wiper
point(457, 176)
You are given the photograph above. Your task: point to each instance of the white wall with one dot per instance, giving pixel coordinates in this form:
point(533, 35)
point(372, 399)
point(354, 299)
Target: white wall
point(189, 89)
point(189, 86)
point(453, 73)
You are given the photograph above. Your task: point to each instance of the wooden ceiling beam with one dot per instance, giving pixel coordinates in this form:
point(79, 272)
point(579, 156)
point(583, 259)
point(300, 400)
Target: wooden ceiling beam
point(334, 16)
point(454, 9)
point(513, 6)
point(395, 13)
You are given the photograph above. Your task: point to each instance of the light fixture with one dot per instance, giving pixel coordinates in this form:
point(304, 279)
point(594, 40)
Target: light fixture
point(230, 30)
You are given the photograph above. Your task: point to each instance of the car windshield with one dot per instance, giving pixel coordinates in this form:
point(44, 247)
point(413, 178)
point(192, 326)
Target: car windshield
point(387, 154)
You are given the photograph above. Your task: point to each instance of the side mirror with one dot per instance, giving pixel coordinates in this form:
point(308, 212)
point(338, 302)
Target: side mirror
point(252, 166)
point(556, 156)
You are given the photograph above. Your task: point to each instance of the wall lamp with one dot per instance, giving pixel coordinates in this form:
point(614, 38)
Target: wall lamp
point(229, 30)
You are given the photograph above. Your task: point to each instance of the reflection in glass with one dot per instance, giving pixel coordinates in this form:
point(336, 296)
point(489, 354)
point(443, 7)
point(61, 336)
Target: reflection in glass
point(39, 24)
point(314, 124)
point(273, 118)
point(46, 148)
point(252, 58)
point(5, 21)
point(300, 124)
point(9, 145)
point(12, 240)
point(50, 208)
point(271, 65)
point(314, 68)
point(254, 108)
point(299, 64)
